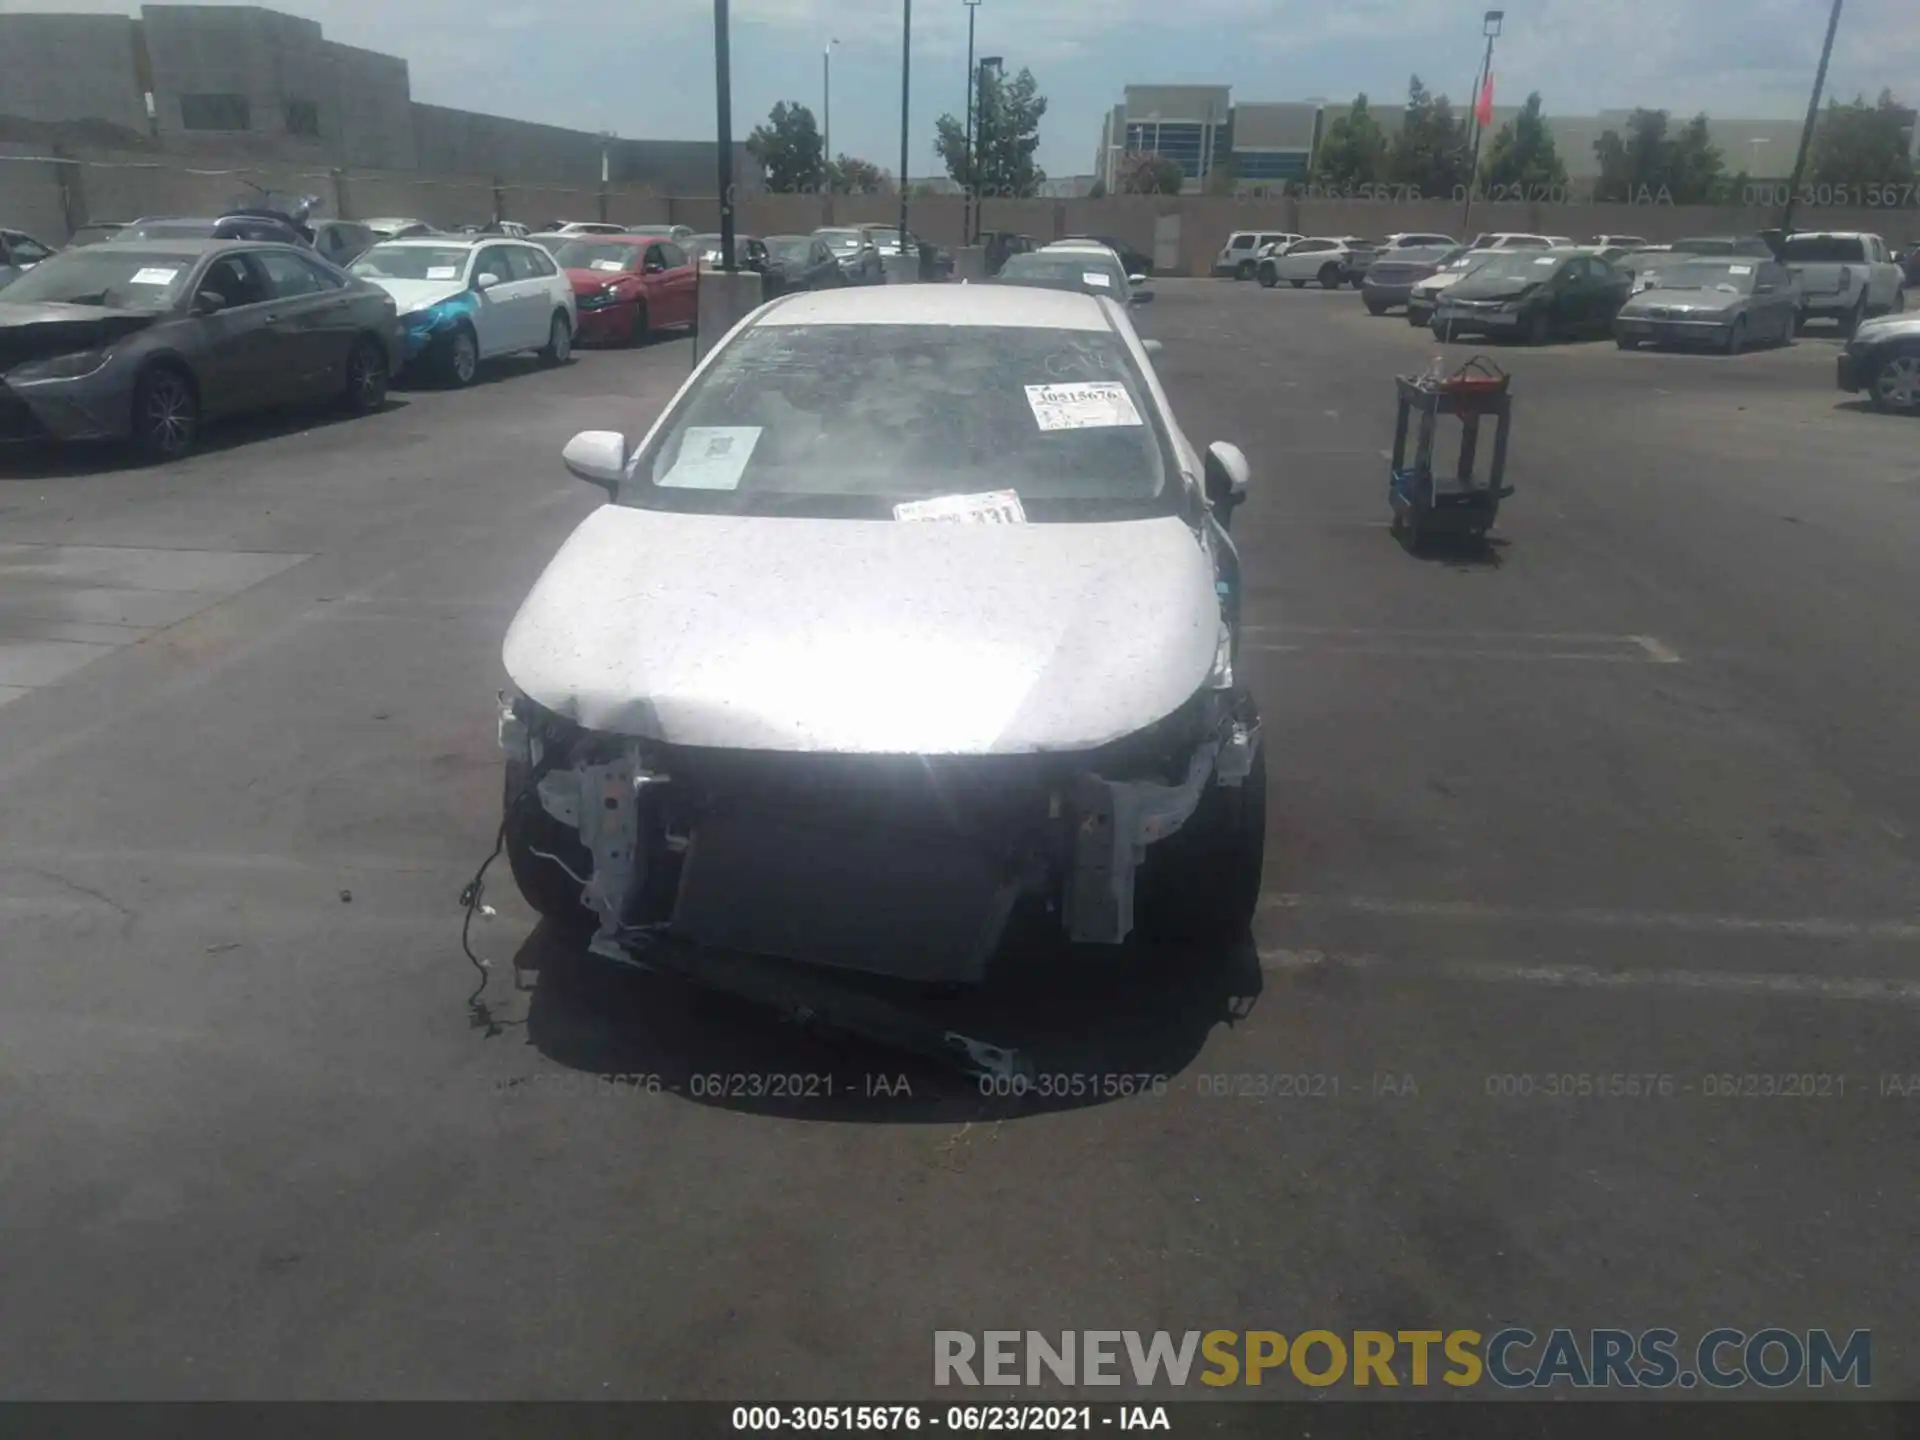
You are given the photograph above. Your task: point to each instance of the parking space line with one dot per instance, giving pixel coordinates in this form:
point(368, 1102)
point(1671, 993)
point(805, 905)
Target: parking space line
point(1588, 977)
point(1464, 644)
point(1802, 927)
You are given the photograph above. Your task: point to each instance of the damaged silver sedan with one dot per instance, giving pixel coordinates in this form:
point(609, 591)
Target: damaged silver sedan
point(914, 609)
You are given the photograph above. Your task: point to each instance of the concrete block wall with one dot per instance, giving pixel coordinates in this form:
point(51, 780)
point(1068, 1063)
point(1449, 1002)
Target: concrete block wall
point(70, 68)
point(31, 197)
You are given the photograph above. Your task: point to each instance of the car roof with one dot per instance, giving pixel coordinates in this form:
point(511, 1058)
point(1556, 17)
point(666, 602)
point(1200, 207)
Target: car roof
point(1015, 307)
point(1827, 235)
point(186, 244)
point(441, 242)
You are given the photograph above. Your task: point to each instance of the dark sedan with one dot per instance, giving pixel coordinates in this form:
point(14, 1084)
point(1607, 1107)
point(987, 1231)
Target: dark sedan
point(1391, 278)
point(749, 252)
point(1533, 296)
point(144, 340)
point(275, 229)
point(801, 262)
point(859, 257)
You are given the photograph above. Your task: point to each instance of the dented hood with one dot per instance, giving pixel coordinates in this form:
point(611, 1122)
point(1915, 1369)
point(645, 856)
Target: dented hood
point(42, 330)
point(867, 637)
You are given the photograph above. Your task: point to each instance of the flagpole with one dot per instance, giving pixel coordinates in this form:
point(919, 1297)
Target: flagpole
point(1483, 99)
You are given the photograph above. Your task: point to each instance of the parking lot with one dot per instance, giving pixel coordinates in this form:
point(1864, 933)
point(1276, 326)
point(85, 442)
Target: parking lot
point(1631, 791)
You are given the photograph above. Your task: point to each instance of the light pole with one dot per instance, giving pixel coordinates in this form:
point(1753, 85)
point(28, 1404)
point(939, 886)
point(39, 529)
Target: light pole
point(723, 87)
point(826, 114)
point(1490, 27)
point(972, 180)
point(993, 63)
point(1813, 115)
point(906, 92)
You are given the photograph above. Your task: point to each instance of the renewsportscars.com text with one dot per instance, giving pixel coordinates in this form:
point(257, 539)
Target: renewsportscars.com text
point(1514, 1358)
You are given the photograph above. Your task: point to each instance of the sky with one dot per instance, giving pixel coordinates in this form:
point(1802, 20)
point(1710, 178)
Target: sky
point(646, 70)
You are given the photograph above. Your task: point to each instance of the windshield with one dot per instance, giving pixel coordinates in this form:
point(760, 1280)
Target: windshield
point(790, 249)
point(1732, 275)
point(116, 279)
point(1824, 250)
point(1511, 265)
point(412, 262)
point(841, 239)
point(1418, 255)
point(884, 237)
point(610, 256)
point(1090, 274)
point(1703, 246)
point(849, 420)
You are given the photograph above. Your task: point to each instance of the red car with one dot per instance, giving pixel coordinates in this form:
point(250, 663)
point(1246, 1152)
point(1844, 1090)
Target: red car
point(628, 286)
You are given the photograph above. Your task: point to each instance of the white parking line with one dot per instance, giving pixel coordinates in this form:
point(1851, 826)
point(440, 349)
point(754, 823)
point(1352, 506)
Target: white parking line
point(1464, 644)
point(1472, 912)
point(1587, 977)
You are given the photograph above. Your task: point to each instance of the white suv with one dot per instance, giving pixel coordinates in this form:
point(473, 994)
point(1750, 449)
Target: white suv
point(1243, 249)
point(1326, 260)
point(1843, 275)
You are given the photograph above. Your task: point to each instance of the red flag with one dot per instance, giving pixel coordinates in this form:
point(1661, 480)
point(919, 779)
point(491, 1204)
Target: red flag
point(1483, 109)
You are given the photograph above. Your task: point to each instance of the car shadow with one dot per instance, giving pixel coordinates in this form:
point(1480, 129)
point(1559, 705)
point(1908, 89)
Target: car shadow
point(1096, 1026)
point(52, 459)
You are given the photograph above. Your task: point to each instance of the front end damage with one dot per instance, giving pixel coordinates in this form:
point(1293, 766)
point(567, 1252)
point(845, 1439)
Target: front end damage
point(727, 866)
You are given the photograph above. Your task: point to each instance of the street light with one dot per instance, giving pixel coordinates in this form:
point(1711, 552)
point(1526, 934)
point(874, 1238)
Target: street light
point(995, 64)
point(826, 111)
point(1490, 27)
point(972, 169)
point(723, 88)
point(906, 92)
point(1753, 169)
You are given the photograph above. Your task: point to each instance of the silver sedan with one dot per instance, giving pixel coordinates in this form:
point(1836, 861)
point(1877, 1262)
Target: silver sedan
point(1724, 302)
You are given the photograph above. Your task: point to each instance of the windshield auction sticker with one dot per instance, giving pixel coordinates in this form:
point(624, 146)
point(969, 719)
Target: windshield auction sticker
point(1099, 405)
point(996, 507)
point(712, 457)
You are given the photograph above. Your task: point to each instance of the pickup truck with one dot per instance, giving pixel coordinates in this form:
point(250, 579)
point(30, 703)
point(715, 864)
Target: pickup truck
point(1843, 276)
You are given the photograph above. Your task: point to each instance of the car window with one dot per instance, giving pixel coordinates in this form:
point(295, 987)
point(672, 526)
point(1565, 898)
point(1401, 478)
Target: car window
point(519, 260)
point(542, 261)
point(1239, 242)
point(672, 254)
point(238, 280)
point(1824, 249)
point(654, 257)
point(113, 279)
point(848, 420)
point(492, 260)
point(26, 250)
point(288, 276)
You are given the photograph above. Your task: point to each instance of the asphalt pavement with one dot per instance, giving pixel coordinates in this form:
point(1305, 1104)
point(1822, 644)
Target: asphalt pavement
point(1631, 791)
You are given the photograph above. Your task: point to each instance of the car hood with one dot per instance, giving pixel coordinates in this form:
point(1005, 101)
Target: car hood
point(411, 295)
point(867, 637)
point(592, 282)
point(41, 330)
point(1491, 289)
point(1885, 327)
point(1444, 280)
point(1685, 298)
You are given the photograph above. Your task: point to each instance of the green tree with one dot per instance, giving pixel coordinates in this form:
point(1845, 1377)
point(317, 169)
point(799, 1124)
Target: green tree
point(1698, 172)
point(1099, 189)
point(1006, 132)
point(1862, 144)
point(1429, 154)
point(1353, 151)
point(788, 148)
point(1142, 174)
point(1646, 163)
point(1224, 178)
point(850, 175)
point(1521, 153)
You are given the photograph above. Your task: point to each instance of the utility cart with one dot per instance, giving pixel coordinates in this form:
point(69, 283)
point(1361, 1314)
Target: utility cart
point(1426, 505)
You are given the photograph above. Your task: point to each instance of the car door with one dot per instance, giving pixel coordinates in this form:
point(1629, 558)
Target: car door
point(1572, 297)
point(498, 325)
point(682, 278)
point(1774, 303)
point(533, 294)
point(241, 366)
point(306, 324)
point(557, 288)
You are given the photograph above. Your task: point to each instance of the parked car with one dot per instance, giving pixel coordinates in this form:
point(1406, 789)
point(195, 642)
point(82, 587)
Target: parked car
point(19, 253)
point(1002, 245)
point(549, 242)
point(933, 263)
point(1132, 259)
point(586, 227)
point(277, 230)
point(464, 300)
point(801, 262)
point(1389, 281)
point(1882, 359)
point(1325, 260)
point(1088, 272)
point(1513, 240)
point(681, 235)
point(1417, 240)
point(96, 233)
point(625, 287)
point(858, 257)
point(1424, 296)
point(1533, 296)
point(1725, 301)
point(389, 227)
point(145, 341)
point(1754, 245)
point(342, 241)
point(1618, 242)
point(1910, 266)
point(750, 252)
point(1844, 276)
point(702, 653)
point(1645, 264)
point(1241, 253)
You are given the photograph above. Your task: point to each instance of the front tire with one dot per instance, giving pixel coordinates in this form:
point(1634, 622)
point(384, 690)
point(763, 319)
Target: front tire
point(1374, 307)
point(1737, 336)
point(1267, 278)
point(559, 347)
point(460, 361)
point(1329, 277)
point(1896, 384)
point(166, 415)
point(543, 884)
point(1202, 883)
point(641, 330)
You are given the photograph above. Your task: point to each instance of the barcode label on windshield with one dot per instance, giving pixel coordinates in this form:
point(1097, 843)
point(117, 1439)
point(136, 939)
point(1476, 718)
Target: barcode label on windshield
point(1098, 405)
point(996, 507)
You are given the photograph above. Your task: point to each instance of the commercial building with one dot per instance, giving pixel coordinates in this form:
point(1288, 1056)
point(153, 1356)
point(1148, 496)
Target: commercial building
point(243, 81)
point(1201, 129)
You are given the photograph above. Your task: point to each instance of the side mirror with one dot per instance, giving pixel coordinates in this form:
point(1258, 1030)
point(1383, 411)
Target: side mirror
point(598, 457)
point(209, 302)
point(486, 280)
point(652, 267)
point(1227, 474)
